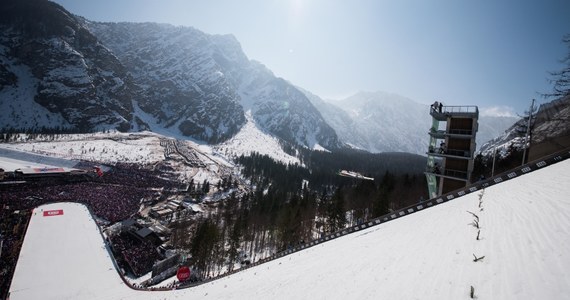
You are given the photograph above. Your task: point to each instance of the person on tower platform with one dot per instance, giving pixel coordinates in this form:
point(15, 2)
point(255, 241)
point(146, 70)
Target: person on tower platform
point(434, 106)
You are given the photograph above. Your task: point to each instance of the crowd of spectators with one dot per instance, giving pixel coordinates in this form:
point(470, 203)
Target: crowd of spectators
point(12, 228)
point(139, 176)
point(138, 255)
point(179, 147)
point(168, 146)
point(189, 154)
point(107, 201)
point(113, 197)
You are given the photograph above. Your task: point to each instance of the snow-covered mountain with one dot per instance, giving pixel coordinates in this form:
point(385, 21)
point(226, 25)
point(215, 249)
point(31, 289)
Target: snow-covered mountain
point(345, 126)
point(182, 84)
point(491, 127)
point(211, 76)
point(550, 130)
point(383, 122)
point(387, 122)
point(55, 73)
point(60, 70)
point(552, 120)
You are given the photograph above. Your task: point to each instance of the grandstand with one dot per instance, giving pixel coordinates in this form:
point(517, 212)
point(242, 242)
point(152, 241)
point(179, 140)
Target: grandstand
point(180, 148)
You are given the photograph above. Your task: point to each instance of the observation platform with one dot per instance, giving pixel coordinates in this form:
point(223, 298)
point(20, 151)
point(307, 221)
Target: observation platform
point(453, 133)
point(454, 112)
point(447, 173)
point(450, 153)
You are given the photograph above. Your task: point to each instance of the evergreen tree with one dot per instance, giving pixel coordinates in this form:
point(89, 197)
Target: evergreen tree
point(206, 186)
point(336, 218)
point(381, 203)
point(234, 242)
point(203, 244)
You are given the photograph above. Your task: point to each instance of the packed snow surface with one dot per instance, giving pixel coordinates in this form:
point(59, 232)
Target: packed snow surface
point(252, 138)
point(142, 148)
point(11, 160)
point(67, 252)
point(427, 255)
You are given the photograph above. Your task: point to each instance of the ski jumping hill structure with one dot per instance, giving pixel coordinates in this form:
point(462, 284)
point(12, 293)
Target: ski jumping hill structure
point(493, 241)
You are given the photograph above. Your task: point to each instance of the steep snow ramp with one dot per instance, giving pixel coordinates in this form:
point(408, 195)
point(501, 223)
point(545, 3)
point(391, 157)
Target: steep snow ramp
point(64, 257)
point(428, 255)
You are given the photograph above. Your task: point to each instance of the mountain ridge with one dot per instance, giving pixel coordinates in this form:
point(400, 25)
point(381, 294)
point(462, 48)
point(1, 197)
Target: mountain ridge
point(90, 76)
point(96, 76)
point(386, 122)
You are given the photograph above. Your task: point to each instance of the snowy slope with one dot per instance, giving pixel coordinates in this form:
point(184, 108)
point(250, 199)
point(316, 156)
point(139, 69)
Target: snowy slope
point(24, 112)
point(551, 122)
point(142, 148)
point(11, 160)
point(427, 255)
point(491, 127)
point(251, 139)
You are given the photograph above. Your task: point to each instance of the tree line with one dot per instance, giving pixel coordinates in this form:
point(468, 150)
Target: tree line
point(290, 204)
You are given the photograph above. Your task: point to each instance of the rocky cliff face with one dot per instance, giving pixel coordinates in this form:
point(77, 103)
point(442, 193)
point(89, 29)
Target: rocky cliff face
point(181, 73)
point(209, 78)
point(51, 58)
point(60, 71)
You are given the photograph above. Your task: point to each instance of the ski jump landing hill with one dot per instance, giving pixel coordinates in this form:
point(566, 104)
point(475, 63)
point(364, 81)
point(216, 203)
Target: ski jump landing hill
point(495, 241)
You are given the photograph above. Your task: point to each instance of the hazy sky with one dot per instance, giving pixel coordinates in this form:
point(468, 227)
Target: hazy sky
point(490, 53)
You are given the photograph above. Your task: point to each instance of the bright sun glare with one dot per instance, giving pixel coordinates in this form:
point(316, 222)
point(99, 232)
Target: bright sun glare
point(296, 8)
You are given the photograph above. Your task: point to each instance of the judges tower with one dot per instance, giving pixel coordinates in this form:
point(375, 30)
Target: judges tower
point(451, 148)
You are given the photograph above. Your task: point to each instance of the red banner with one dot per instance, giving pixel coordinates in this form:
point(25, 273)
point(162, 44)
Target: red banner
point(56, 212)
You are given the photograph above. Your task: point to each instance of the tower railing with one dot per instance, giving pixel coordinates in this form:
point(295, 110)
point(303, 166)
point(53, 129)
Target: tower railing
point(460, 109)
point(444, 111)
